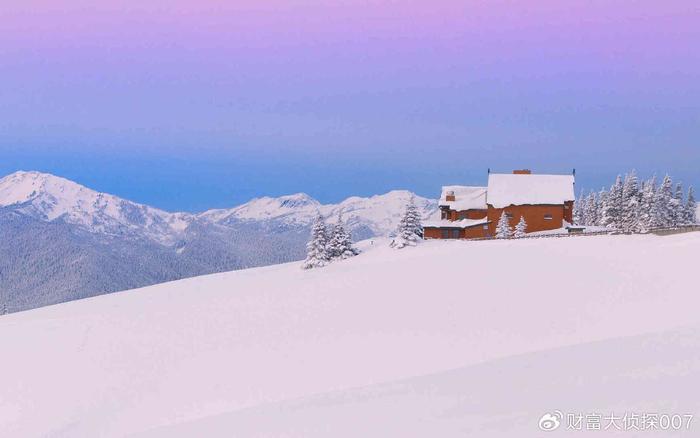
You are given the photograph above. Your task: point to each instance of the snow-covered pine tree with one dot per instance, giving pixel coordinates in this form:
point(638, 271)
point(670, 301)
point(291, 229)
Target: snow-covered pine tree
point(316, 249)
point(662, 215)
point(520, 228)
point(414, 218)
point(677, 207)
point(600, 211)
point(579, 210)
point(612, 210)
point(691, 208)
point(410, 230)
point(591, 209)
point(646, 206)
point(503, 230)
point(340, 245)
point(630, 204)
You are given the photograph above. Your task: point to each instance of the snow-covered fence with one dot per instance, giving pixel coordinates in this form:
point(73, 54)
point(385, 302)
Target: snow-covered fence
point(666, 231)
point(675, 230)
point(552, 235)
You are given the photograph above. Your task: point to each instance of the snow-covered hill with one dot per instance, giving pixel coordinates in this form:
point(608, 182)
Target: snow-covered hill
point(61, 241)
point(278, 351)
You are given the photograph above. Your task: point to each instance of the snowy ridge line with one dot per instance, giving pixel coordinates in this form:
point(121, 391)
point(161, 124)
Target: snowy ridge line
point(50, 198)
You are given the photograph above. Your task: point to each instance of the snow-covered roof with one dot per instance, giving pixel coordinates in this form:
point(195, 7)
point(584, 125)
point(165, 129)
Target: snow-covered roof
point(527, 189)
point(466, 198)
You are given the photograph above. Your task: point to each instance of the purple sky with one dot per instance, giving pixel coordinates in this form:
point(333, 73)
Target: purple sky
point(195, 104)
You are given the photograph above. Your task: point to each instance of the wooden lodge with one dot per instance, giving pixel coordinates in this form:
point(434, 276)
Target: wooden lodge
point(545, 201)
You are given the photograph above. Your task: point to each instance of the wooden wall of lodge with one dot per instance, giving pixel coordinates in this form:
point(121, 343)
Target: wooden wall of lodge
point(534, 216)
point(462, 233)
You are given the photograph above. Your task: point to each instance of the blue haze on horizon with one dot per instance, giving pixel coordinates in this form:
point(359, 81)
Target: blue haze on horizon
point(209, 179)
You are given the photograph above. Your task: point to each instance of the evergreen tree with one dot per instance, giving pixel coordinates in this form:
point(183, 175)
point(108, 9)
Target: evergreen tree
point(612, 210)
point(520, 228)
point(414, 219)
point(677, 207)
point(410, 230)
point(631, 200)
point(340, 245)
point(602, 203)
point(662, 214)
point(646, 206)
point(503, 230)
point(691, 208)
point(591, 217)
point(580, 210)
point(316, 249)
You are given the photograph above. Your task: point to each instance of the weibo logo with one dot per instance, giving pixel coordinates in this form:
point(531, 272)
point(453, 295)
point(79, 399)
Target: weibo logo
point(549, 422)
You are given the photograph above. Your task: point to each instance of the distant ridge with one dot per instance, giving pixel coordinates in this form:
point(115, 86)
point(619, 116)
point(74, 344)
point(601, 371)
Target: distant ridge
point(61, 241)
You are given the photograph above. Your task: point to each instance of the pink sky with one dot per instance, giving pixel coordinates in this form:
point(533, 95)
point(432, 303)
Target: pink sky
point(559, 80)
point(211, 23)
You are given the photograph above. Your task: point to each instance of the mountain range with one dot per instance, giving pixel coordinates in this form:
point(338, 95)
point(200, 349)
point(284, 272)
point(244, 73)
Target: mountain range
point(61, 241)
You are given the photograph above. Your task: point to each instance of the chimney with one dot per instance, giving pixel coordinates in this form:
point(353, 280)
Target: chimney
point(522, 172)
point(450, 196)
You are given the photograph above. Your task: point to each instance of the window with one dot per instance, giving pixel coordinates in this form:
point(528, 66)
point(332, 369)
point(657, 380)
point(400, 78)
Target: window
point(486, 226)
point(455, 234)
point(548, 217)
point(445, 234)
point(509, 215)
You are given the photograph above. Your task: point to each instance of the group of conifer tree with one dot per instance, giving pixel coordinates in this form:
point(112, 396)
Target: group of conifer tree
point(328, 244)
point(504, 230)
point(632, 207)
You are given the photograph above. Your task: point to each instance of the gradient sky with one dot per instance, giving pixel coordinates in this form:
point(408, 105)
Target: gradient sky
point(195, 104)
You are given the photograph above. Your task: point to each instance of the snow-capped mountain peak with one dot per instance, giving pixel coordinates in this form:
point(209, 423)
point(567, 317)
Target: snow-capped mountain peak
point(50, 197)
point(298, 208)
point(21, 187)
point(297, 200)
point(267, 208)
